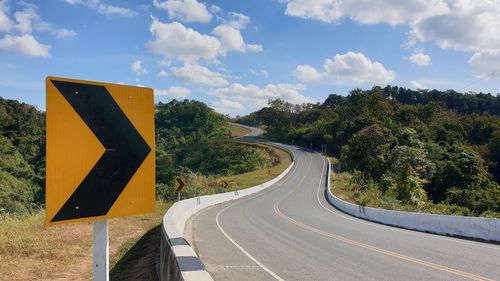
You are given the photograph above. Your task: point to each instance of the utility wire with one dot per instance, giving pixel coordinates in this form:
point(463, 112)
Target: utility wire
point(478, 80)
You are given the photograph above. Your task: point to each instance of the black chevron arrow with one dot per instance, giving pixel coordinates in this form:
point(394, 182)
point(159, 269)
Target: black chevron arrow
point(181, 184)
point(125, 151)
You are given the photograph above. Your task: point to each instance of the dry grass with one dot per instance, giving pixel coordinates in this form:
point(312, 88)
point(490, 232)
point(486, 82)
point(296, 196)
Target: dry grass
point(31, 251)
point(280, 160)
point(237, 131)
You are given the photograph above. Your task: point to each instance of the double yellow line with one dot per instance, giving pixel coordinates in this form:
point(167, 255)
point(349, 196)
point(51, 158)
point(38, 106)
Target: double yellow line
point(366, 246)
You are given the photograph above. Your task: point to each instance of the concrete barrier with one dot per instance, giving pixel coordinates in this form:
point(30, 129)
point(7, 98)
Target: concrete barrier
point(487, 229)
point(178, 261)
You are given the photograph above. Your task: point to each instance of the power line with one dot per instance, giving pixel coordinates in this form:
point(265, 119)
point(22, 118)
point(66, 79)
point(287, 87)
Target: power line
point(478, 80)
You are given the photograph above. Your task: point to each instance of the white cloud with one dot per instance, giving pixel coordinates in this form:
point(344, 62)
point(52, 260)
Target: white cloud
point(226, 106)
point(6, 24)
point(306, 73)
point(238, 21)
point(420, 59)
point(175, 41)
point(137, 68)
point(103, 8)
point(238, 98)
point(261, 72)
point(197, 74)
point(163, 73)
point(173, 92)
point(350, 68)
point(25, 22)
point(366, 11)
point(231, 40)
point(64, 33)
point(462, 25)
point(486, 64)
point(469, 25)
point(415, 84)
point(25, 45)
point(185, 10)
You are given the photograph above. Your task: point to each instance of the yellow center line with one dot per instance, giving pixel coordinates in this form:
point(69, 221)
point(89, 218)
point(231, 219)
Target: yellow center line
point(366, 246)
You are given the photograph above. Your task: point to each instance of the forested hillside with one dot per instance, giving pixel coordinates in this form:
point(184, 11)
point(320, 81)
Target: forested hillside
point(190, 139)
point(22, 156)
point(416, 147)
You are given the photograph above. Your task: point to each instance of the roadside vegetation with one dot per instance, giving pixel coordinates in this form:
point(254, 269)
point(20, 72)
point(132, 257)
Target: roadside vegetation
point(237, 131)
point(191, 141)
point(347, 187)
point(420, 150)
point(31, 251)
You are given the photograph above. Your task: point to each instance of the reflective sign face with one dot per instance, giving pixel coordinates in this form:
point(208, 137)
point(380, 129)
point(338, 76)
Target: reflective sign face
point(100, 150)
point(180, 184)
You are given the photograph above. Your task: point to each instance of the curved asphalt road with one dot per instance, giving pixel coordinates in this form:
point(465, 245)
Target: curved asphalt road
point(290, 232)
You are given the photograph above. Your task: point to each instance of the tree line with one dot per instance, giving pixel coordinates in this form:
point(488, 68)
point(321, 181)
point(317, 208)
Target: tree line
point(416, 147)
point(191, 138)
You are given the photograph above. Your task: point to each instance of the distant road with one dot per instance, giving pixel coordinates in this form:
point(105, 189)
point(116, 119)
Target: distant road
point(290, 232)
point(254, 132)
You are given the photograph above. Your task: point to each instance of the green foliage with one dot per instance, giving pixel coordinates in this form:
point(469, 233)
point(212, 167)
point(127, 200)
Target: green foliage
point(429, 149)
point(192, 140)
point(22, 156)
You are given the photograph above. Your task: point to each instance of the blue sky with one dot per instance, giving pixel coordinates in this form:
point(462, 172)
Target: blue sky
point(235, 55)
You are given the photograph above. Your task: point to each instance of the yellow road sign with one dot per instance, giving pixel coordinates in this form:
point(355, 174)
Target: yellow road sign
point(100, 151)
point(180, 184)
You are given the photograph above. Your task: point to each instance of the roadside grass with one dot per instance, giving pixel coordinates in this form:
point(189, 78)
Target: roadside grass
point(370, 196)
point(31, 251)
point(279, 159)
point(237, 131)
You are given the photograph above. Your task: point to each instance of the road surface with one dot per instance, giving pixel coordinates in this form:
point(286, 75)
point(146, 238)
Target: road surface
point(290, 232)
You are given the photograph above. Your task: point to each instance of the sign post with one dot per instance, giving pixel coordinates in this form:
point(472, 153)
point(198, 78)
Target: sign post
point(179, 186)
point(100, 247)
point(100, 157)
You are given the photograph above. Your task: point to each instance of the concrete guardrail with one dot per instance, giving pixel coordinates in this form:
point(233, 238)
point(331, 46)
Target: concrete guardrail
point(178, 261)
point(487, 229)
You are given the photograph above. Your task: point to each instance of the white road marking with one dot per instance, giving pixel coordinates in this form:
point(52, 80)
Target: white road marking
point(407, 231)
point(274, 275)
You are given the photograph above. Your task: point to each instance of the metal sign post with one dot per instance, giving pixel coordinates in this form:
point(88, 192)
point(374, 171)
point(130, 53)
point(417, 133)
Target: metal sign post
point(100, 246)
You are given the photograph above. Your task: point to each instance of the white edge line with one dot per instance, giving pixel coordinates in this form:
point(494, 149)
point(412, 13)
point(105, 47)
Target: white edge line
point(408, 231)
point(274, 275)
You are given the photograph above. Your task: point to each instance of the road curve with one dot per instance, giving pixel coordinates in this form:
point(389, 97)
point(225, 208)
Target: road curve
point(290, 232)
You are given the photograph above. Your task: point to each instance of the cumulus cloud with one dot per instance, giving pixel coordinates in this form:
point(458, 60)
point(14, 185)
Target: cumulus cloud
point(65, 33)
point(173, 92)
point(306, 73)
point(415, 84)
point(231, 40)
point(238, 98)
point(486, 64)
point(237, 20)
point(20, 26)
point(469, 25)
point(185, 10)
point(137, 68)
point(366, 11)
point(420, 59)
point(197, 74)
point(176, 41)
point(350, 68)
point(6, 24)
point(25, 45)
point(163, 73)
point(462, 25)
point(103, 8)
